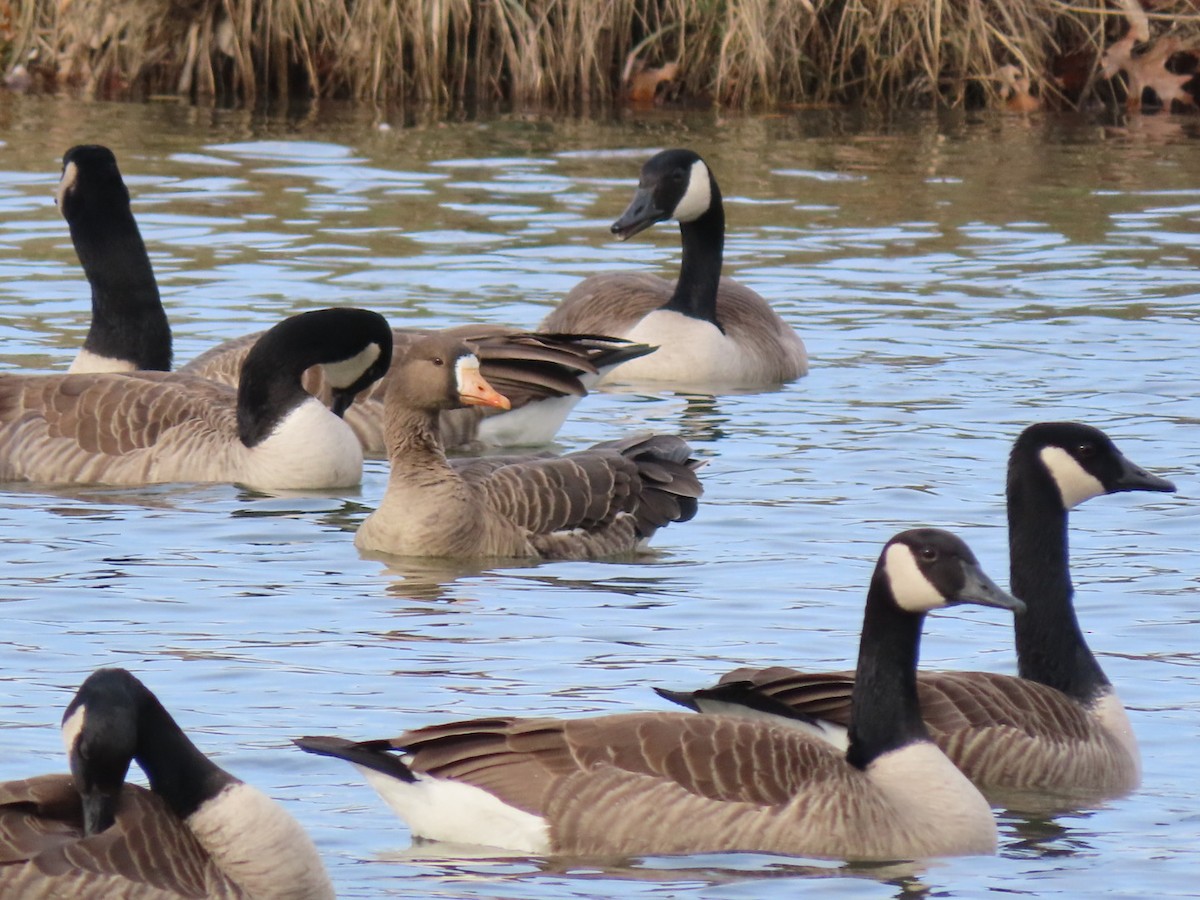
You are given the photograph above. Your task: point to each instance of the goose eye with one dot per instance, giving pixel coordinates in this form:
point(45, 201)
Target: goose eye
point(1085, 451)
point(438, 361)
point(929, 554)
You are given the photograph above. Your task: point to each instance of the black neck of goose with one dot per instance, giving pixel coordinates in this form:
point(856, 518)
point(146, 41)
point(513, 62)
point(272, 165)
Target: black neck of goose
point(178, 772)
point(700, 273)
point(270, 386)
point(885, 713)
point(1051, 649)
point(128, 320)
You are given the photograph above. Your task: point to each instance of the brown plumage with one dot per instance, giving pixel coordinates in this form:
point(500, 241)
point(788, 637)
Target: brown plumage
point(598, 502)
point(527, 367)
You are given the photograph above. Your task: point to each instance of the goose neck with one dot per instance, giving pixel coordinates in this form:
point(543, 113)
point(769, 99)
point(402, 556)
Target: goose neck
point(178, 772)
point(412, 439)
point(700, 271)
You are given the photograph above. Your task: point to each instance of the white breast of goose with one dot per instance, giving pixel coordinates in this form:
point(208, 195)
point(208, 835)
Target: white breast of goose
point(441, 810)
point(936, 806)
point(1110, 714)
point(259, 846)
point(689, 349)
point(86, 362)
point(310, 448)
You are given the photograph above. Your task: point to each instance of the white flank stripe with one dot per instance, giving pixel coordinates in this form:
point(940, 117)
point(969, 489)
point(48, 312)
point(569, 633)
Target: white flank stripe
point(1075, 484)
point(910, 587)
point(698, 196)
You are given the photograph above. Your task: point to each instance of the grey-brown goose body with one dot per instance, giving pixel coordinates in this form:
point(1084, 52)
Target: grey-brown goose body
point(648, 783)
point(1059, 728)
point(603, 501)
point(198, 833)
point(710, 331)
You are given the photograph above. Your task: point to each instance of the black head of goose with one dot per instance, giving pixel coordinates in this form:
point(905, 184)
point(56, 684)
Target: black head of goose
point(709, 329)
point(129, 329)
point(603, 501)
point(198, 831)
point(148, 427)
point(651, 783)
point(1059, 728)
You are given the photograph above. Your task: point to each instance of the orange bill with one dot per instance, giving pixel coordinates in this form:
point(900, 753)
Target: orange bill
point(473, 389)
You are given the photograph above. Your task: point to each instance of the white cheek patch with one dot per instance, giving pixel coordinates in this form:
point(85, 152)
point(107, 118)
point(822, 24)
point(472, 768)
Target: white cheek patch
point(910, 587)
point(1075, 484)
point(697, 197)
point(69, 176)
point(71, 728)
point(344, 373)
point(466, 371)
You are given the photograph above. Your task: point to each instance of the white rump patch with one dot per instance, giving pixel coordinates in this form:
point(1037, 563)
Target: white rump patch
point(69, 176)
point(1075, 484)
point(698, 196)
point(344, 373)
point(89, 363)
point(912, 590)
point(72, 727)
point(442, 810)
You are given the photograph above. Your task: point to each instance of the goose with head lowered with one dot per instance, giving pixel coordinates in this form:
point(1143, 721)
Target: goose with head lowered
point(654, 783)
point(603, 501)
point(198, 832)
point(710, 331)
point(148, 427)
point(1059, 727)
point(544, 375)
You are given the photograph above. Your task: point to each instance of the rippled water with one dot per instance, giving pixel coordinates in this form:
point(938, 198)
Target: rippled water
point(954, 280)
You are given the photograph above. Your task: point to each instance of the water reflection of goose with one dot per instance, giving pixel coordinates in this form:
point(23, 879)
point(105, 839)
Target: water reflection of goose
point(656, 783)
point(709, 330)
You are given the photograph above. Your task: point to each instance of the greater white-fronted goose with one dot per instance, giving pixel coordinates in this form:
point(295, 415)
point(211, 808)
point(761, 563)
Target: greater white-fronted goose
point(147, 427)
point(1059, 727)
point(598, 502)
point(199, 832)
point(710, 331)
point(544, 375)
point(652, 783)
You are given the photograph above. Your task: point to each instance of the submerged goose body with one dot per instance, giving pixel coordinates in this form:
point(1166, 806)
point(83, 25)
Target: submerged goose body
point(654, 783)
point(199, 832)
point(1059, 727)
point(599, 502)
point(544, 375)
point(148, 427)
point(709, 330)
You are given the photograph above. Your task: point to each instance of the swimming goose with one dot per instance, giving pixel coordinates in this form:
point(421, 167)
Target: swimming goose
point(544, 375)
point(709, 330)
point(129, 329)
point(652, 783)
point(1057, 728)
point(598, 502)
point(199, 832)
point(147, 427)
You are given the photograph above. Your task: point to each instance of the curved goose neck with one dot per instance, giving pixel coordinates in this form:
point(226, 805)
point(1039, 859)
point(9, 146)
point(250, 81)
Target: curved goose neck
point(885, 713)
point(178, 772)
point(128, 320)
point(700, 272)
point(1051, 649)
point(412, 439)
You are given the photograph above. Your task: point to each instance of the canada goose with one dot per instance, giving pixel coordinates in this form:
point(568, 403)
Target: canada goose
point(146, 427)
point(709, 330)
point(649, 783)
point(544, 375)
point(1059, 727)
point(129, 330)
point(599, 502)
point(199, 832)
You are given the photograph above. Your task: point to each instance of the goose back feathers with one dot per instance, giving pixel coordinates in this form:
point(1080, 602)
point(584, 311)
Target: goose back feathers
point(147, 427)
point(1059, 727)
point(671, 783)
point(606, 500)
point(199, 832)
point(709, 330)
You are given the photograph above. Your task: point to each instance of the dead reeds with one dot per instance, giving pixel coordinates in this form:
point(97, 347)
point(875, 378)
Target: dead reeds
point(445, 53)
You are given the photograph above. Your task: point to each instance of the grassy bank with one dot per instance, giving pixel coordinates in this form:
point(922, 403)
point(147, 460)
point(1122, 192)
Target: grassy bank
point(735, 53)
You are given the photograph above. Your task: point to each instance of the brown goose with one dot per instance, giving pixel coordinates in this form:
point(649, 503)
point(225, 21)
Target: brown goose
point(603, 501)
point(1058, 728)
point(544, 375)
point(710, 331)
point(147, 427)
point(199, 832)
point(649, 783)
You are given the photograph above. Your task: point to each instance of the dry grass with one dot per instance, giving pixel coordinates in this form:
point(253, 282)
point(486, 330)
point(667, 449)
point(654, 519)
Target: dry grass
point(739, 53)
